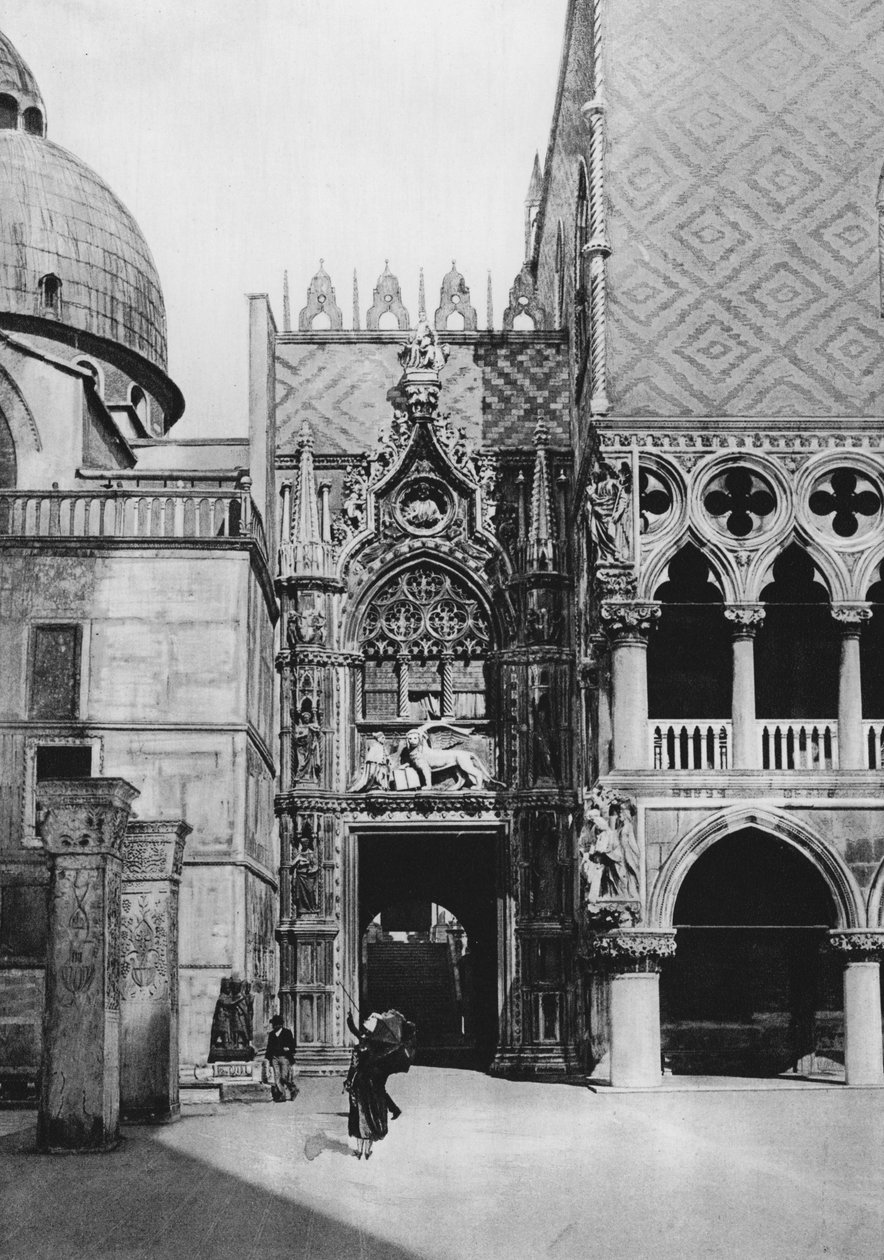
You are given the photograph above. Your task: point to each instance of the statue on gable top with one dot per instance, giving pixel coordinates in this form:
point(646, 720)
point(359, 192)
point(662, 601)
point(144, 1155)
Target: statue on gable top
point(423, 353)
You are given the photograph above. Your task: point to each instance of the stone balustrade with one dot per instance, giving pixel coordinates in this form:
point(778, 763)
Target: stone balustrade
point(805, 744)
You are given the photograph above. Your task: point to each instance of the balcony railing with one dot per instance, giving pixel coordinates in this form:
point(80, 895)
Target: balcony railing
point(690, 745)
point(805, 744)
point(131, 514)
point(787, 744)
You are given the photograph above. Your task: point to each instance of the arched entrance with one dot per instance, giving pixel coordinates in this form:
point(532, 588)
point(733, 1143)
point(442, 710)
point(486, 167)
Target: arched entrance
point(428, 914)
point(752, 989)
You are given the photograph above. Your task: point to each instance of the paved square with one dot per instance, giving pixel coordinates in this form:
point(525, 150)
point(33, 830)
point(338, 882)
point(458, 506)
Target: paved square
point(474, 1170)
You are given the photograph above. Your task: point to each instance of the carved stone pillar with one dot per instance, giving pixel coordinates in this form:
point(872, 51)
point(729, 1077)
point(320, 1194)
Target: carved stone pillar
point(851, 753)
point(745, 620)
point(861, 949)
point(632, 960)
point(152, 856)
point(81, 823)
point(628, 624)
point(447, 697)
point(402, 665)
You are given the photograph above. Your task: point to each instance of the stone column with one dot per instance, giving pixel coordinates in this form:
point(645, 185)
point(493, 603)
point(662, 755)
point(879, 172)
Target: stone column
point(628, 624)
point(632, 960)
point(745, 620)
point(152, 856)
point(861, 949)
point(81, 823)
point(851, 753)
point(447, 687)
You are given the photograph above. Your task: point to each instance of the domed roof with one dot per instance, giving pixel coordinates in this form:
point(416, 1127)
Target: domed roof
point(59, 219)
point(16, 77)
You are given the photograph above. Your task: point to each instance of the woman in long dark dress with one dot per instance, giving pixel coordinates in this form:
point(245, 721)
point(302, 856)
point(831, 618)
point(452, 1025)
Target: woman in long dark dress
point(369, 1101)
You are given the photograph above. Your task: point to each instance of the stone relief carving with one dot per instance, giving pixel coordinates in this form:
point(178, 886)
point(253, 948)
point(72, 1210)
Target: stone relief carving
point(610, 861)
point(307, 625)
point(375, 773)
point(144, 965)
point(609, 514)
point(428, 762)
point(423, 353)
point(231, 1036)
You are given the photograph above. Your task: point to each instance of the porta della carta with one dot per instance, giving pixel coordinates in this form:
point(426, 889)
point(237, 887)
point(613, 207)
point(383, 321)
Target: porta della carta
point(522, 670)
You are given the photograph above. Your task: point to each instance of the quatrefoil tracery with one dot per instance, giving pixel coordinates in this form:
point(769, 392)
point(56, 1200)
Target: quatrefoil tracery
point(424, 613)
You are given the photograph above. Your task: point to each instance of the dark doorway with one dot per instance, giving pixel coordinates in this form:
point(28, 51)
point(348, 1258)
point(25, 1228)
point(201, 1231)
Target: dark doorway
point(428, 927)
point(752, 990)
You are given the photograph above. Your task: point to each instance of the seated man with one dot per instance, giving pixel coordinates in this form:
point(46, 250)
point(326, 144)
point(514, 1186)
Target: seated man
point(280, 1054)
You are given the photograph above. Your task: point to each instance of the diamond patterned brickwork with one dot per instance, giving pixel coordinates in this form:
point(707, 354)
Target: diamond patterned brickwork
point(743, 164)
point(495, 385)
point(742, 169)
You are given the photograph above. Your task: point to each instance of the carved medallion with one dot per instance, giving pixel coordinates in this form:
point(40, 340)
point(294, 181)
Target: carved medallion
point(423, 505)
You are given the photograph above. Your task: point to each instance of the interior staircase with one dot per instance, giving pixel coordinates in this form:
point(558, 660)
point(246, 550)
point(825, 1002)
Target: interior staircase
point(419, 979)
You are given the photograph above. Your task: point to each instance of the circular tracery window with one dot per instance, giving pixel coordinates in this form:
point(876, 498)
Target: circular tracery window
point(845, 503)
point(424, 612)
point(739, 501)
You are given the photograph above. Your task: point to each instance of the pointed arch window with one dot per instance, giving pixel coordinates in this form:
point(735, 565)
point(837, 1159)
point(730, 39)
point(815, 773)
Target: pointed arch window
point(581, 273)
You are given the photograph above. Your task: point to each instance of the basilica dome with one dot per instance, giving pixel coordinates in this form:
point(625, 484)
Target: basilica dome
point(74, 265)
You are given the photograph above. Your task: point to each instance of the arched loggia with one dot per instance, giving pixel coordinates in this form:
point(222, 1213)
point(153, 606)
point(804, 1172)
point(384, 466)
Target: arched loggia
point(752, 989)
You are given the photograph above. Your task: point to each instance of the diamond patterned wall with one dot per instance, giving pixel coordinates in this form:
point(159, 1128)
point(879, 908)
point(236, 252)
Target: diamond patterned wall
point(745, 148)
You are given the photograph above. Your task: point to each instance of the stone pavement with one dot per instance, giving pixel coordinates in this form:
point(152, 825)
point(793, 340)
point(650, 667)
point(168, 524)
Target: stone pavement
point(475, 1169)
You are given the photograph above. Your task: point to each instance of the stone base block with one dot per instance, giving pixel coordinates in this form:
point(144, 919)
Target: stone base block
point(245, 1092)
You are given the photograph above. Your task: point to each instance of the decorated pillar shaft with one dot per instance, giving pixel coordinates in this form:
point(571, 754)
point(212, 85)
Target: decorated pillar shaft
point(82, 824)
point(152, 857)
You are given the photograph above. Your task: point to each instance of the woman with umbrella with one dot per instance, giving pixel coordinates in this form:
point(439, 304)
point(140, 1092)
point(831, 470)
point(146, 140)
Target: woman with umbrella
point(386, 1044)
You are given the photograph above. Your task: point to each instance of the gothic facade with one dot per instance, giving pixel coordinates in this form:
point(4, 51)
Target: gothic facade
point(554, 647)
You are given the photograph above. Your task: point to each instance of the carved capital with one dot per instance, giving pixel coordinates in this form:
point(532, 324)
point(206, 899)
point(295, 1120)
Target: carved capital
point(851, 617)
point(623, 619)
point(154, 850)
point(858, 944)
point(627, 951)
point(422, 394)
point(79, 817)
point(616, 583)
point(745, 618)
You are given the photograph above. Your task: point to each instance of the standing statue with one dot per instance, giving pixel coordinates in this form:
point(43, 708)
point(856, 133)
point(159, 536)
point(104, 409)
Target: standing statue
point(307, 744)
point(374, 775)
point(610, 861)
point(305, 877)
point(231, 1036)
point(609, 514)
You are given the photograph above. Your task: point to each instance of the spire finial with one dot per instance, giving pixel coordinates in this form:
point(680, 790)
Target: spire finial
point(286, 304)
point(489, 310)
point(355, 301)
point(421, 297)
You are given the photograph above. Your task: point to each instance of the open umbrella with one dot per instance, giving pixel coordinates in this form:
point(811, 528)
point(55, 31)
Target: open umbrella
point(391, 1041)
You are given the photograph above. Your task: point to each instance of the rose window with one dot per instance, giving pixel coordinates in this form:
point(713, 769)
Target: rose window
point(739, 501)
point(845, 502)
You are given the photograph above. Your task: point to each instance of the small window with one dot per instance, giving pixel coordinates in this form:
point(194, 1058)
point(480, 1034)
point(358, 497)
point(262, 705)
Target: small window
point(64, 761)
point(8, 112)
point(50, 293)
point(33, 121)
point(55, 672)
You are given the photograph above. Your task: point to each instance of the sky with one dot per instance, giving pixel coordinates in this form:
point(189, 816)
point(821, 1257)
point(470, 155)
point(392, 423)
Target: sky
point(253, 136)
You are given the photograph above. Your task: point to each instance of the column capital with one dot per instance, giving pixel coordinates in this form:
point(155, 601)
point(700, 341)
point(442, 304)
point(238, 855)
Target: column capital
point(629, 619)
point(154, 849)
point(80, 817)
point(637, 950)
point(851, 617)
point(858, 944)
point(745, 619)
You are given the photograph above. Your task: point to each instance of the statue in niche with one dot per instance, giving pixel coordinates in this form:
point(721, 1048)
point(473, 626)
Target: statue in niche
point(547, 763)
point(375, 772)
point(307, 744)
point(423, 353)
point(306, 627)
point(426, 761)
point(305, 875)
point(231, 1036)
point(609, 514)
point(609, 855)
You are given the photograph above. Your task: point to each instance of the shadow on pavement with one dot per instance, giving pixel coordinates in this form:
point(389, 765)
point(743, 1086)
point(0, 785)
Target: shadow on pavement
point(147, 1201)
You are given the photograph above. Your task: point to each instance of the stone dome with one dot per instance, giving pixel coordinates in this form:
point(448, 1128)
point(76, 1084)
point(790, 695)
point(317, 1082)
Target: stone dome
point(16, 78)
point(74, 265)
